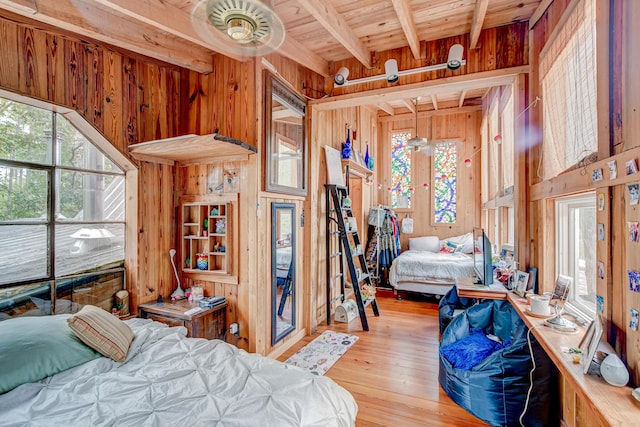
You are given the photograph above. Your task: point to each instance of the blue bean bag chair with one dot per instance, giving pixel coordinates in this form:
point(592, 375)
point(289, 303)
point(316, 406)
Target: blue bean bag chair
point(449, 304)
point(485, 365)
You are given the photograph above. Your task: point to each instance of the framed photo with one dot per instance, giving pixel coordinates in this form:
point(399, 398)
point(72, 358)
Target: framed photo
point(560, 291)
point(589, 343)
point(521, 283)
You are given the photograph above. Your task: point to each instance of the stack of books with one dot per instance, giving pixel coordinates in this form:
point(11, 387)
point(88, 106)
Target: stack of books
point(208, 302)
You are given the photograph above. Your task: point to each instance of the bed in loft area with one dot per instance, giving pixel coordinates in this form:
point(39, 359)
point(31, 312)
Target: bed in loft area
point(431, 265)
point(155, 375)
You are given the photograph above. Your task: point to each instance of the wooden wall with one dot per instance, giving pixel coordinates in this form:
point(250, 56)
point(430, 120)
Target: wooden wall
point(459, 124)
point(618, 121)
point(128, 99)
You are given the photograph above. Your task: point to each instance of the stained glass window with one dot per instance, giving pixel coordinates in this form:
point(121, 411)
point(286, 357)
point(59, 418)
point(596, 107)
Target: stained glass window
point(445, 185)
point(400, 170)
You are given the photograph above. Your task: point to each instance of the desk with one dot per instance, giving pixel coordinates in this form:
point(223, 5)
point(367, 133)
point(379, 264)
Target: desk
point(585, 397)
point(467, 289)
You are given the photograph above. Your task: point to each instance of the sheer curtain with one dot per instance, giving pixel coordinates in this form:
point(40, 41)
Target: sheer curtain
point(568, 78)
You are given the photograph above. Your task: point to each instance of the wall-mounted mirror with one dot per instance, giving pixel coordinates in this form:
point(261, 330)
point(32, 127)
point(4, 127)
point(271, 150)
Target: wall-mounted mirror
point(286, 138)
point(283, 270)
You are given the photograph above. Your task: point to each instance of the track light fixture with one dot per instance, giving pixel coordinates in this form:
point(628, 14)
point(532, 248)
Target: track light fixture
point(391, 71)
point(341, 76)
point(392, 75)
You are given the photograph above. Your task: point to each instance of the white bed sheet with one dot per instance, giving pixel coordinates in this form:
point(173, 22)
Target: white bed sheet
point(171, 380)
point(429, 272)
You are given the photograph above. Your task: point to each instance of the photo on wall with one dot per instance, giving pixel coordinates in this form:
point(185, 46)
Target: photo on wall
point(613, 169)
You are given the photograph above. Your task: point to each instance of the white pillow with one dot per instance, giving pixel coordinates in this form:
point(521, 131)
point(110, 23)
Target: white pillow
point(425, 243)
point(465, 240)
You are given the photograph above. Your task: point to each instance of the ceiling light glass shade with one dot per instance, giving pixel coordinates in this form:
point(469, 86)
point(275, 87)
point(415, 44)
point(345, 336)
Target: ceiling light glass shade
point(240, 28)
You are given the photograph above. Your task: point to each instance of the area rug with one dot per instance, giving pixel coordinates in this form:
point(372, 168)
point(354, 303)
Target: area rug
point(320, 354)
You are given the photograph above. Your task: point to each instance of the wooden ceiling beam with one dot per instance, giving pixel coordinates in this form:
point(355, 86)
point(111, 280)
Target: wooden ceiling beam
point(484, 79)
point(336, 25)
point(386, 107)
point(477, 22)
point(540, 10)
point(106, 25)
point(462, 95)
point(405, 16)
point(303, 56)
point(410, 105)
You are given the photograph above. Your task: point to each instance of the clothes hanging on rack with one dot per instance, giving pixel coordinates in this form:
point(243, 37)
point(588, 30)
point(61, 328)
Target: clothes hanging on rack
point(383, 244)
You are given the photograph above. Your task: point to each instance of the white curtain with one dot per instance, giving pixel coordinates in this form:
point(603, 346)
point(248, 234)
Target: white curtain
point(568, 78)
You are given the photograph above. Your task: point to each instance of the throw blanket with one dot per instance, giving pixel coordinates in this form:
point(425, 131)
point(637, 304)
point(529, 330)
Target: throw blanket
point(418, 265)
point(170, 380)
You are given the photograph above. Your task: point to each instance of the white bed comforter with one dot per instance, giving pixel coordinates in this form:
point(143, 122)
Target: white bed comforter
point(171, 380)
point(424, 265)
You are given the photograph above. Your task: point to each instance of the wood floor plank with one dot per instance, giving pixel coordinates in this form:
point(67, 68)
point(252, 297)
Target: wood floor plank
point(392, 371)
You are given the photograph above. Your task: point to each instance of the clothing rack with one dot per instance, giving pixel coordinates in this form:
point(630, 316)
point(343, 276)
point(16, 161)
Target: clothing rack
point(383, 242)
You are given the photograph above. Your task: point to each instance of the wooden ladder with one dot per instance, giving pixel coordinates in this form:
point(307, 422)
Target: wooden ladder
point(350, 249)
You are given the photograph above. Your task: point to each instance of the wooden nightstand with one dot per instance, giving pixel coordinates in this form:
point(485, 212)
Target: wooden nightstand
point(210, 323)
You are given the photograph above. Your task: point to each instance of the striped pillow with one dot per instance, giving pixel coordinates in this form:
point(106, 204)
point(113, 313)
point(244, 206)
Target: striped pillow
point(102, 331)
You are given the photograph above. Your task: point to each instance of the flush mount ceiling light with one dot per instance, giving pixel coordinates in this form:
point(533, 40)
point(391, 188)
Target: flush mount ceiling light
point(238, 27)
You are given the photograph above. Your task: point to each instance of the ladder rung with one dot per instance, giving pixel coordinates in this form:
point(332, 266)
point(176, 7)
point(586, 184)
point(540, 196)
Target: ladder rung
point(363, 277)
point(334, 232)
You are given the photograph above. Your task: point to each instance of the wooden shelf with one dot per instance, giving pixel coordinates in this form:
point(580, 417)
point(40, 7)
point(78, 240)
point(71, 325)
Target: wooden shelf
point(192, 149)
point(356, 169)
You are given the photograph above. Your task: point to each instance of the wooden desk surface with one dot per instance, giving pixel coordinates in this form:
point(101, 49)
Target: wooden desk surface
point(614, 406)
point(467, 289)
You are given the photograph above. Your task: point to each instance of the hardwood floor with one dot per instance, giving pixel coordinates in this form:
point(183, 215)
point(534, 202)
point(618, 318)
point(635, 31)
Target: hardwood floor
point(392, 371)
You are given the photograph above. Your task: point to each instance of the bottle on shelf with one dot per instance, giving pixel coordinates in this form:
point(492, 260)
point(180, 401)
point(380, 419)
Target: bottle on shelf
point(366, 157)
point(346, 149)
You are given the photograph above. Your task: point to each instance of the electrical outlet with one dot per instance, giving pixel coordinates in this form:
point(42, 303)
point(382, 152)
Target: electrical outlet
point(234, 328)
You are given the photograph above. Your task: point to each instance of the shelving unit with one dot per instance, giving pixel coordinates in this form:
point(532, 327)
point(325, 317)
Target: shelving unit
point(208, 237)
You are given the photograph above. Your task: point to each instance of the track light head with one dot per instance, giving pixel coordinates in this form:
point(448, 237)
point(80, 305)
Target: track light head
point(391, 71)
point(455, 57)
point(341, 76)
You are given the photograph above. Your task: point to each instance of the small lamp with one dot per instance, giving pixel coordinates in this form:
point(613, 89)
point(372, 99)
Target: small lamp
point(178, 293)
point(613, 371)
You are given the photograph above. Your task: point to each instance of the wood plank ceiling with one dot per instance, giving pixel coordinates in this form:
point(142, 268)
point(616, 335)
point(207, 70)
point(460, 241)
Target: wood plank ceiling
point(318, 32)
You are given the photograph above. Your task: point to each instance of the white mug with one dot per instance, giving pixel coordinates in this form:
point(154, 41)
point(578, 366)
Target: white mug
point(540, 304)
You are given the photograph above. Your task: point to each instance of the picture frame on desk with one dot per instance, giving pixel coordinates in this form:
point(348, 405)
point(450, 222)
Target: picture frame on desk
point(521, 283)
point(589, 343)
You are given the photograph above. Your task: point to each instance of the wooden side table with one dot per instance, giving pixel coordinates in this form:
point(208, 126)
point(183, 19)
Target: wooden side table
point(210, 323)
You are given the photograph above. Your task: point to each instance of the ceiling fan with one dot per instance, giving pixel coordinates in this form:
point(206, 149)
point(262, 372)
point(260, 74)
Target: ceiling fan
point(418, 142)
point(238, 27)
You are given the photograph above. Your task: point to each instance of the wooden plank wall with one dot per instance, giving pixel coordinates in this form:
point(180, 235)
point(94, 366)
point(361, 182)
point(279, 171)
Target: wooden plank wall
point(460, 124)
point(499, 47)
point(618, 122)
point(128, 99)
point(329, 128)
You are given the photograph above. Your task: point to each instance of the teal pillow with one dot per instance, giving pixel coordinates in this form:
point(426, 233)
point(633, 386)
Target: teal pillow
point(33, 348)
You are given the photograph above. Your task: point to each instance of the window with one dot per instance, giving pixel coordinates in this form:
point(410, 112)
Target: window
point(568, 78)
point(62, 201)
point(400, 171)
point(445, 166)
point(576, 248)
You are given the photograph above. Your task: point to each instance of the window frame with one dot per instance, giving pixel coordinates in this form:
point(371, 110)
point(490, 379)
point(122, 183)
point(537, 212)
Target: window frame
point(564, 252)
point(129, 174)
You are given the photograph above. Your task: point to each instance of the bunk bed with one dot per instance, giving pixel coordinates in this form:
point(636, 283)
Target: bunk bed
point(162, 378)
point(431, 265)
